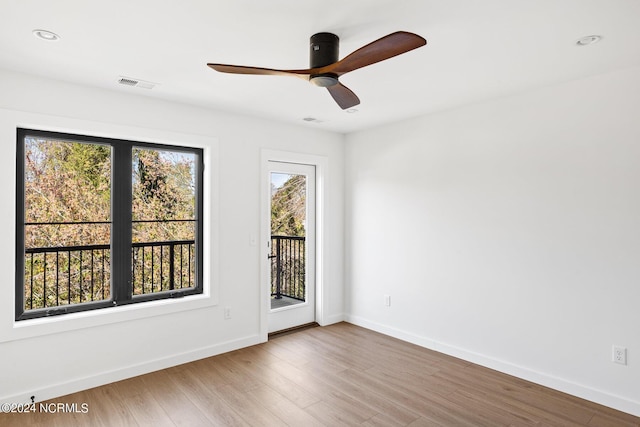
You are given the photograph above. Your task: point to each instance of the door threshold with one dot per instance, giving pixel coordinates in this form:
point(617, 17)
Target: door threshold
point(292, 330)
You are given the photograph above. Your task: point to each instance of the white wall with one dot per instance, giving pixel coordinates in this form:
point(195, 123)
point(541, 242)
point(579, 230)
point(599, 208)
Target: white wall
point(49, 365)
point(507, 233)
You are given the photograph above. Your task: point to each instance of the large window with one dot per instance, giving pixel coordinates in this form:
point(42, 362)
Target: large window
point(103, 222)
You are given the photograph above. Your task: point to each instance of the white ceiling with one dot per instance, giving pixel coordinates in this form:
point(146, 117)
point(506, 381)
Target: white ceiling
point(476, 50)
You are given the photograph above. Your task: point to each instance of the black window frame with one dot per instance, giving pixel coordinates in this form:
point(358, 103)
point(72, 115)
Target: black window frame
point(121, 224)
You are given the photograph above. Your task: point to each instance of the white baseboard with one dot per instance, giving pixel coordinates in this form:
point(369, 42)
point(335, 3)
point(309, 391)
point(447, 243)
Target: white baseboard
point(78, 384)
point(578, 390)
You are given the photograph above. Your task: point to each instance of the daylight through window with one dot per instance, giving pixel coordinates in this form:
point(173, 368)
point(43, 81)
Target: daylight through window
point(103, 222)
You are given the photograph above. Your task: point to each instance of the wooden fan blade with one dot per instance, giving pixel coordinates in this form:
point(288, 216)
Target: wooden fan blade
point(239, 69)
point(343, 96)
point(384, 48)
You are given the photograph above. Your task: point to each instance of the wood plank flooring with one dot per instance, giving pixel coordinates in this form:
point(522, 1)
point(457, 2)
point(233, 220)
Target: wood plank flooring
point(331, 376)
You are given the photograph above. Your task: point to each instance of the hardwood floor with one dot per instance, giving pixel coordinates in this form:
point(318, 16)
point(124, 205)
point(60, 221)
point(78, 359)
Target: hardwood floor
point(331, 376)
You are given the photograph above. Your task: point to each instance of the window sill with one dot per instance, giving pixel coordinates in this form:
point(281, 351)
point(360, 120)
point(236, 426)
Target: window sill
point(23, 329)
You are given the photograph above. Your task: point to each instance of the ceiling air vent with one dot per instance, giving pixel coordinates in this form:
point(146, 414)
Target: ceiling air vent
point(128, 81)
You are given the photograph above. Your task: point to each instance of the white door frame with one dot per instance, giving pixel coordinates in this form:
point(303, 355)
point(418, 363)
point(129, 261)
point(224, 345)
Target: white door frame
point(320, 163)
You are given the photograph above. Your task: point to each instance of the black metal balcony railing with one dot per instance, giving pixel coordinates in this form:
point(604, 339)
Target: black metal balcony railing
point(56, 276)
point(165, 266)
point(288, 256)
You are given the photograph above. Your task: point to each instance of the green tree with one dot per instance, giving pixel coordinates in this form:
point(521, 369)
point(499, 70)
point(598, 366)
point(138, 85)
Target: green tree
point(66, 182)
point(288, 207)
point(68, 203)
point(163, 191)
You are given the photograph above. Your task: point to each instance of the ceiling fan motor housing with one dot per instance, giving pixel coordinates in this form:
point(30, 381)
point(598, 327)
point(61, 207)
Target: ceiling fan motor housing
point(323, 51)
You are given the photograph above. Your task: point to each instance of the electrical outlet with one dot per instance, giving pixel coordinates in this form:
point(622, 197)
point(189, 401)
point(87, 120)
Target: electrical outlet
point(387, 300)
point(227, 313)
point(619, 355)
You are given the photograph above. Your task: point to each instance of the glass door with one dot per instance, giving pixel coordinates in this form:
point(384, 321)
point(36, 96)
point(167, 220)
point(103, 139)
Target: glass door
point(292, 245)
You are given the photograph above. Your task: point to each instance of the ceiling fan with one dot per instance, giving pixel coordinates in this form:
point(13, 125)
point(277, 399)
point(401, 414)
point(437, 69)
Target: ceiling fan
point(325, 68)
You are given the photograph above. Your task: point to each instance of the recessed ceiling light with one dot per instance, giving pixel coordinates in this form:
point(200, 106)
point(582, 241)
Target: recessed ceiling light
point(351, 110)
point(46, 35)
point(586, 41)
